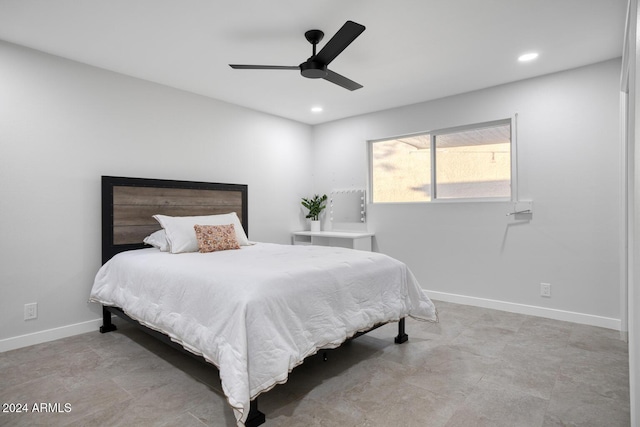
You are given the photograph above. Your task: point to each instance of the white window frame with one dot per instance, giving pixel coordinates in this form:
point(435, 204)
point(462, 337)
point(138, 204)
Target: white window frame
point(512, 121)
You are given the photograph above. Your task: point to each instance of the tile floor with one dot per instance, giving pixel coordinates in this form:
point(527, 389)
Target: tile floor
point(477, 367)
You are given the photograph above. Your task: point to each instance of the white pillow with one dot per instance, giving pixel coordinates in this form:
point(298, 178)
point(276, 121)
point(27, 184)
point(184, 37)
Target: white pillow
point(182, 236)
point(158, 239)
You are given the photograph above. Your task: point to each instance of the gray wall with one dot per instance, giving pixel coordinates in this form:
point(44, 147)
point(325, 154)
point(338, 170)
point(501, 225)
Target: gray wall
point(64, 124)
point(569, 155)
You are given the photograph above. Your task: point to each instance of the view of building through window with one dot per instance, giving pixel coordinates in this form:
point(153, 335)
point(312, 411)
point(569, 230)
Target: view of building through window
point(472, 163)
point(401, 170)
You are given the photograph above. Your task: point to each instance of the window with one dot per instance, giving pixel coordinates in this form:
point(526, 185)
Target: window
point(472, 162)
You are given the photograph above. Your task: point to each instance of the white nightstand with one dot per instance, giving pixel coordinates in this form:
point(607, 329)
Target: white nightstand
point(344, 239)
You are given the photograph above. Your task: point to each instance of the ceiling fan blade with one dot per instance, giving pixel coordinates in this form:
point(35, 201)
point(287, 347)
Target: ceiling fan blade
point(264, 67)
point(339, 42)
point(340, 80)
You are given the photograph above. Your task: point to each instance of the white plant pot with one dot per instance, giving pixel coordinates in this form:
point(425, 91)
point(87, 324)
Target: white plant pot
point(315, 226)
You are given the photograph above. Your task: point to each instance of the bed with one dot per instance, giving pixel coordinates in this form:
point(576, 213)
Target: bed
point(255, 310)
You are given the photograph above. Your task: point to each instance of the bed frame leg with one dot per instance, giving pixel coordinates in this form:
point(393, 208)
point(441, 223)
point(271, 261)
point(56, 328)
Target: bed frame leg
point(255, 417)
point(107, 326)
point(402, 337)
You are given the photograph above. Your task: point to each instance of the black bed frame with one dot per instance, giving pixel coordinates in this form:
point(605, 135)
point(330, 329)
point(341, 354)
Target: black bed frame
point(110, 248)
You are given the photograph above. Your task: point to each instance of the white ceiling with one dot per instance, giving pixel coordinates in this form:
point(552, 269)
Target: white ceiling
point(411, 51)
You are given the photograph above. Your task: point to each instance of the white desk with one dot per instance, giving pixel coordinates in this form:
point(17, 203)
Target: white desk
point(345, 239)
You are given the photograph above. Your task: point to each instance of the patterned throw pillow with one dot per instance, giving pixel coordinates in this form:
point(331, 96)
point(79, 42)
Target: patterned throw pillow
point(213, 238)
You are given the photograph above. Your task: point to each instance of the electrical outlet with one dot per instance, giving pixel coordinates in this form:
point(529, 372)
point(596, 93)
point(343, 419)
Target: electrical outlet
point(31, 311)
point(545, 290)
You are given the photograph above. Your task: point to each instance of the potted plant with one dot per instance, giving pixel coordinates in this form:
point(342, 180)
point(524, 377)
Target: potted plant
point(315, 205)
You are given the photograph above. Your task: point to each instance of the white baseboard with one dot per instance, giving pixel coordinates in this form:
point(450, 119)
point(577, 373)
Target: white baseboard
point(549, 313)
point(49, 335)
point(568, 316)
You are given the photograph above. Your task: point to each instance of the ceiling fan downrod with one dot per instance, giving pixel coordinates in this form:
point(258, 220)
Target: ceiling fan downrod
point(310, 68)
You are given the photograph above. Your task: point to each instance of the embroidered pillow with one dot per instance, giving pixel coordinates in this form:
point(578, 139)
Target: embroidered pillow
point(212, 238)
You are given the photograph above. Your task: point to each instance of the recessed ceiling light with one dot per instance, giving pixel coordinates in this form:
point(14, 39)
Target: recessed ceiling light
point(316, 109)
point(528, 57)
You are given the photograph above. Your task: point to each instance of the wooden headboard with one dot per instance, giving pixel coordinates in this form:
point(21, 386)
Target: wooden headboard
point(128, 206)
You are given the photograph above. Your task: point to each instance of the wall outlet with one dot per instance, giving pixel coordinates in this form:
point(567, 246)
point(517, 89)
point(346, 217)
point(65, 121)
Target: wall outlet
point(31, 311)
point(545, 290)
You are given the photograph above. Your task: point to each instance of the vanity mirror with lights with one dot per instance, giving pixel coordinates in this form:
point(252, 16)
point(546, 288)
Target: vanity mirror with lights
point(347, 214)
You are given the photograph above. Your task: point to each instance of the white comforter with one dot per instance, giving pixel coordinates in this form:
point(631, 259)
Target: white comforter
point(257, 312)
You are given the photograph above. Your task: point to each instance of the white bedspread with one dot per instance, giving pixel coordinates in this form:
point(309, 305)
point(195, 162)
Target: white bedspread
point(257, 312)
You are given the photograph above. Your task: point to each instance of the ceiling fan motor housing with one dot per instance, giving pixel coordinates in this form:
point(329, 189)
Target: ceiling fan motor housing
point(313, 70)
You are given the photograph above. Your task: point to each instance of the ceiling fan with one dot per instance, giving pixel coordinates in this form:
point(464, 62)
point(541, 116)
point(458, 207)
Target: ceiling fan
point(316, 66)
